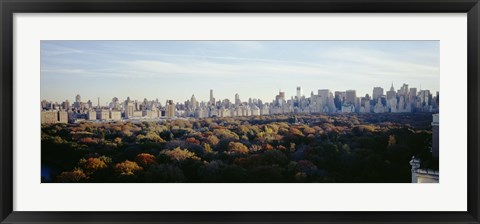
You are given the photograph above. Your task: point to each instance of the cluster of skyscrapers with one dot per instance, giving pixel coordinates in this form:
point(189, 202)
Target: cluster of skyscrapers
point(403, 100)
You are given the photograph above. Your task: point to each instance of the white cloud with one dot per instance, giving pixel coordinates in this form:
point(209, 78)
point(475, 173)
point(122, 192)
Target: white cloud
point(380, 63)
point(216, 70)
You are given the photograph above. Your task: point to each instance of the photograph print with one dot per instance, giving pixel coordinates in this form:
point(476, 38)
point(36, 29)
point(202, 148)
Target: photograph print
point(247, 111)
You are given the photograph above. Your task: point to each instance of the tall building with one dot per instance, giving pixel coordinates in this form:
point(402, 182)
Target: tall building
point(115, 115)
point(299, 92)
point(391, 93)
point(193, 102)
point(323, 98)
point(103, 114)
point(280, 98)
point(170, 108)
point(62, 117)
point(89, 104)
point(237, 100)
point(377, 93)
point(44, 105)
point(129, 108)
point(66, 105)
point(323, 95)
point(212, 99)
point(78, 102)
point(114, 104)
point(49, 117)
point(339, 99)
point(424, 96)
point(351, 97)
point(412, 95)
point(403, 90)
point(91, 115)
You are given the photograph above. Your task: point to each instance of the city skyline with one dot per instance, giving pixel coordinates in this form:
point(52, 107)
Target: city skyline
point(406, 99)
point(254, 69)
point(95, 101)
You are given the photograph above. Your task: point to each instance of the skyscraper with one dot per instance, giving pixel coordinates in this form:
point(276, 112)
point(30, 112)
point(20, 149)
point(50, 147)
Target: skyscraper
point(129, 108)
point(193, 102)
point(299, 92)
point(377, 93)
point(391, 93)
point(412, 95)
point(237, 100)
point(323, 94)
point(403, 90)
point(62, 117)
point(280, 98)
point(212, 99)
point(66, 105)
point(170, 108)
point(351, 97)
point(78, 101)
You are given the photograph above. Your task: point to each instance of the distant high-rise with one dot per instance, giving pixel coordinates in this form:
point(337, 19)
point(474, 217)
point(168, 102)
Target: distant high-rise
point(339, 99)
point(78, 102)
point(49, 117)
point(377, 93)
point(115, 115)
point(391, 93)
point(66, 105)
point(62, 117)
point(403, 90)
point(170, 108)
point(114, 104)
point(103, 114)
point(323, 94)
point(412, 94)
point(194, 103)
point(89, 104)
point(129, 108)
point(237, 99)
point(351, 97)
point(280, 98)
point(424, 97)
point(91, 115)
point(299, 92)
point(212, 99)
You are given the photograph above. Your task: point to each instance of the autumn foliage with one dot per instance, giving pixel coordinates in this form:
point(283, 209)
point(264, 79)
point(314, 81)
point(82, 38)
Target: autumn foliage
point(346, 148)
point(127, 168)
point(145, 159)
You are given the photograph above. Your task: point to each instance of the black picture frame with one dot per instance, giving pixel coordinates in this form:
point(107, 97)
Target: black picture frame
point(9, 7)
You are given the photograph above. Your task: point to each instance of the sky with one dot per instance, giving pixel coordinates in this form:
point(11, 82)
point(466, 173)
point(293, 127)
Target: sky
point(175, 70)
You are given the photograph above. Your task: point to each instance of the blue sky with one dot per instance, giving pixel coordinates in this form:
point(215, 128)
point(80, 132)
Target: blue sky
point(257, 69)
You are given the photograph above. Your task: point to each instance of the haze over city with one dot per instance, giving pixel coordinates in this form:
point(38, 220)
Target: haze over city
point(254, 69)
